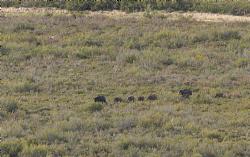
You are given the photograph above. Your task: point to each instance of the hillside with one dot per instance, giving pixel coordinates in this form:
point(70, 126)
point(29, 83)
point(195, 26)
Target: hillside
point(53, 63)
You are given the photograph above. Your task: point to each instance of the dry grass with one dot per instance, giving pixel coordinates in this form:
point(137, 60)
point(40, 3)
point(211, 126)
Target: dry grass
point(32, 10)
point(206, 17)
point(52, 66)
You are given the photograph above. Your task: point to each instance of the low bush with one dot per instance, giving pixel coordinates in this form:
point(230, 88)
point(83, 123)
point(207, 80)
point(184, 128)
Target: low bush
point(126, 124)
point(73, 124)
point(10, 106)
point(23, 27)
point(227, 35)
point(3, 50)
point(167, 61)
point(242, 62)
point(51, 136)
point(88, 52)
point(10, 148)
point(200, 38)
point(131, 59)
point(153, 120)
point(95, 107)
point(35, 151)
point(141, 143)
point(3, 115)
point(203, 99)
point(27, 87)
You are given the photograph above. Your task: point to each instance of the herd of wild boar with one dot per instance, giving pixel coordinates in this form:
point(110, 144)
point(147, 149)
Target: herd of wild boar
point(185, 93)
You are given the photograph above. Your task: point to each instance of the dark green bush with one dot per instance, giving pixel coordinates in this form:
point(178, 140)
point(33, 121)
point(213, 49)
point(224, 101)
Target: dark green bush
point(216, 136)
point(23, 27)
point(89, 52)
point(182, 5)
point(227, 35)
point(105, 5)
point(51, 136)
point(10, 148)
point(27, 88)
point(3, 50)
point(131, 59)
point(130, 6)
point(200, 38)
point(82, 55)
point(35, 151)
point(167, 61)
point(95, 107)
point(10, 107)
point(79, 5)
point(90, 42)
point(3, 115)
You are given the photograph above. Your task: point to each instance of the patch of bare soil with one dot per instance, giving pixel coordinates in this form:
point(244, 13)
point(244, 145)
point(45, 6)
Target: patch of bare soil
point(12, 10)
point(209, 17)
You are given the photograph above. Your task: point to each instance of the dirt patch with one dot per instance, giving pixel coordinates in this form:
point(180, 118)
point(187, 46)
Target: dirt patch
point(12, 10)
point(207, 17)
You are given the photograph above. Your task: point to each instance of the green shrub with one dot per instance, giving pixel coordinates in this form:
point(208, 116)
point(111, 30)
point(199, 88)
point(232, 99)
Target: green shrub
point(95, 107)
point(203, 99)
point(101, 125)
point(131, 59)
point(82, 55)
point(10, 148)
point(51, 136)
point(88, 52)
point(15, 129)
point(148, 12)
point(3, 115)
point(130, 6)
point(190, 62)
point(10, 107)
point(209, 150)
point(154, 120)
point(146, 143)
point(28, 87)
point(23, 27)
point(35, 151)
point(134, 43)
point(182, 5)
point(242, 62)
point(176, 43)
point(126, 124)
point(200, 38)
point(215, 135)
point(227, 35)
point(167, 61)
point(3, 50)
point(106, 5)
point(73, 124)
point(92, 42)
point(79, 5)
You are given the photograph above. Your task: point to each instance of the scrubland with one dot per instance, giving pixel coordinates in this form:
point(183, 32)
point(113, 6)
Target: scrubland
point(53, 65)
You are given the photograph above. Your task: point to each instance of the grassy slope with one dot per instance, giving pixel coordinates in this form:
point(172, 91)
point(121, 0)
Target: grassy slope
point(53, 65)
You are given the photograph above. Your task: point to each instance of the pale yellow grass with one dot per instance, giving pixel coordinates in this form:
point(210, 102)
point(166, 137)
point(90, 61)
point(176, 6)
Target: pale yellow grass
point(207, 17)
